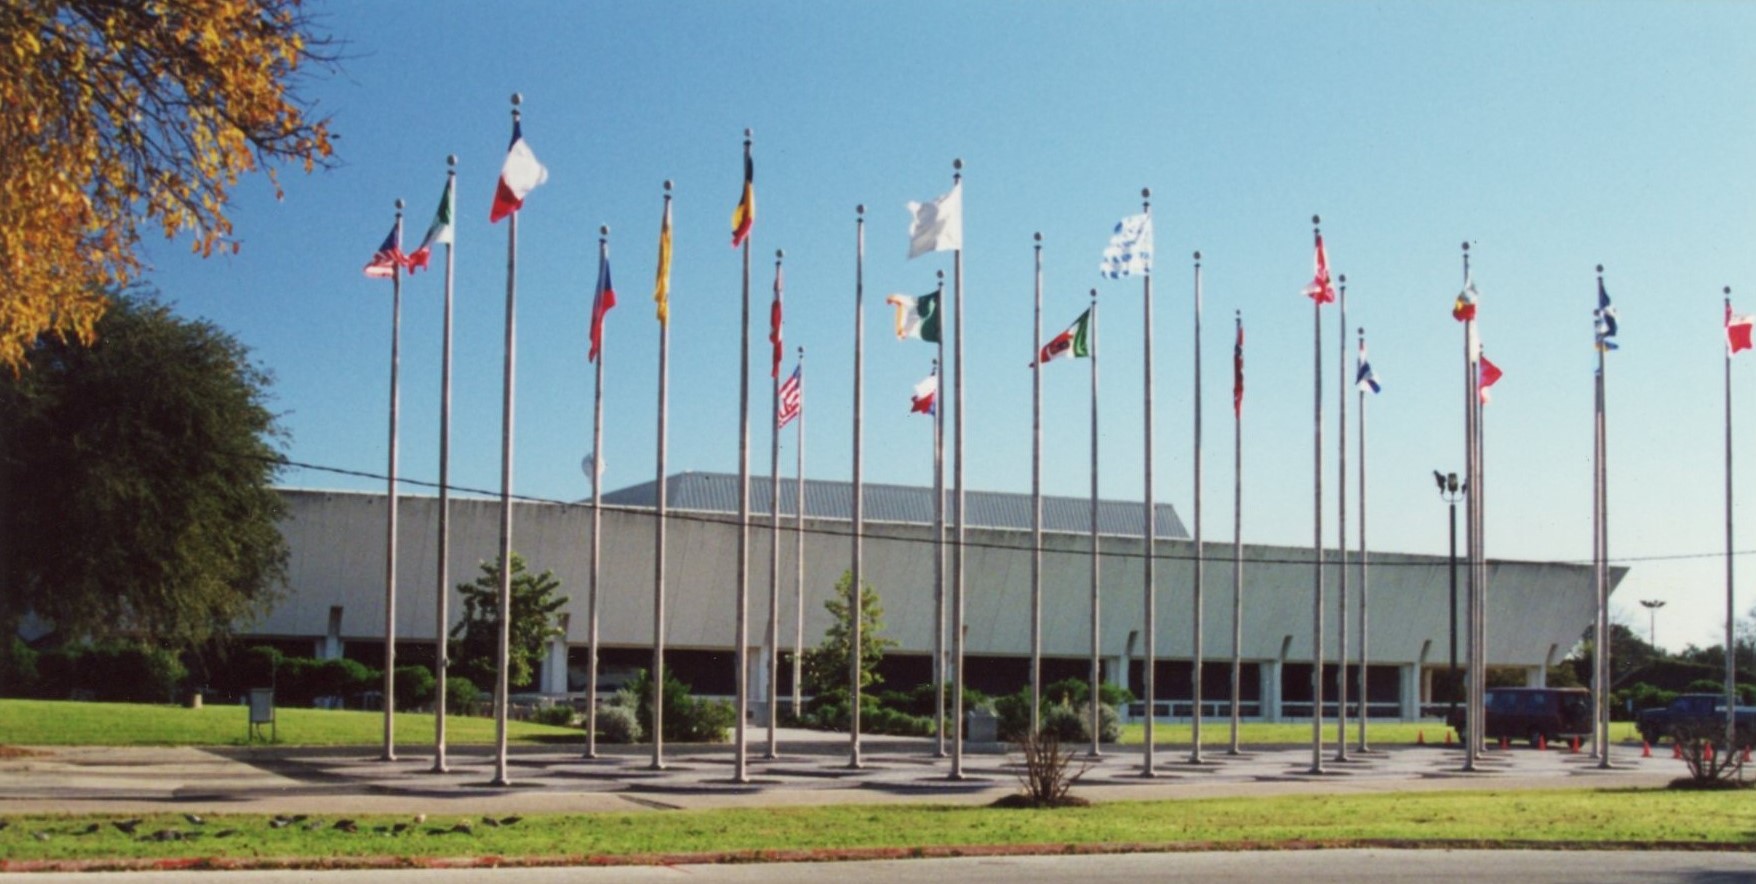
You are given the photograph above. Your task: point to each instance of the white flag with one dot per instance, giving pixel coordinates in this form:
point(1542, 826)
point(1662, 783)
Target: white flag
point(938, 225)
point(1130, 248)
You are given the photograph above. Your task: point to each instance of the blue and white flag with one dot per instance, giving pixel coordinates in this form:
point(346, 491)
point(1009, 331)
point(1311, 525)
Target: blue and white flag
point(1605, 319)
point(1130, 248)
point(1365, 378)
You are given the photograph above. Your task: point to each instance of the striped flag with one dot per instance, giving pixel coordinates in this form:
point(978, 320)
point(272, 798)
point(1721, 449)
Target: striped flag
point(601, 302)
point(389, 256)
point(440, 231)
point(792, 404)
point(1074, 342)
point(744, 216)
point(916, 317)
point(926, 396)
point(519, 175)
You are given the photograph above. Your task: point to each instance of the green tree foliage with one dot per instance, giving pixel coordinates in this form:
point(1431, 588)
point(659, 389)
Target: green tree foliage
point(138, 479)
point(826, 666)
point(476, 638)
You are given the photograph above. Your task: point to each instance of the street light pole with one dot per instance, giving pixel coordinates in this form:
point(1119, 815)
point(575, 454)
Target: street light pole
point(1451, 491)
point(1652, 606)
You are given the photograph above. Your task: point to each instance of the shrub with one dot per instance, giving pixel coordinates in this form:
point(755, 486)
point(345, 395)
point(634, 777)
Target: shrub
point(619, 724)
point(460, 695)
point(18, 669)
point(1076, 691)
point(687, 719)
point(113, 672)
point(557, 716)
point(414, 687)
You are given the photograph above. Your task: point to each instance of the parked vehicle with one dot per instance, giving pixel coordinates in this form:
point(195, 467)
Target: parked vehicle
point(1534, 714)
point(1695, 713)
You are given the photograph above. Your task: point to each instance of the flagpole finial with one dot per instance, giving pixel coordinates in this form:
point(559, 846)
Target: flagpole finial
point(1198, 256)
point(603, 232)
point(451, 160)
point(957, 170)
point(1728, 291)
point(941, 275)
point(1343, 279)
point(801, 352)
point(779, 254)
point(1038, 238)
point(860, 210)
point(1466, 245)
point(517, 99)
point(1600, 270)
point(667, 187)
point(399, 205)
point(1094, 294)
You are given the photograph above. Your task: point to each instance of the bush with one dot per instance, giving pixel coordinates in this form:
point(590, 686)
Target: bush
point(460, 695)
point(556, 716)
point(1076, 691)
point(619, 724)
point(414, 687)
point(118, 672)
point(687, 719)
point(18, 669)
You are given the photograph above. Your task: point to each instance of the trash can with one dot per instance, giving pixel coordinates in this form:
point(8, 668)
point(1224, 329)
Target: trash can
point(981, 726)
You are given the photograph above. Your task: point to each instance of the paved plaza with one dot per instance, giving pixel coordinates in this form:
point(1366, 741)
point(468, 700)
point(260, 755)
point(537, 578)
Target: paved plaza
point(811, 769)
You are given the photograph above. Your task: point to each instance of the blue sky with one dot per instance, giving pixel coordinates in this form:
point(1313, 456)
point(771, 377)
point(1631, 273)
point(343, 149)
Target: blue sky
point(1553, 136)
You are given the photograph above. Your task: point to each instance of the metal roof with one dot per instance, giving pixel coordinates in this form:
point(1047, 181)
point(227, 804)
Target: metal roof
point(718, 493)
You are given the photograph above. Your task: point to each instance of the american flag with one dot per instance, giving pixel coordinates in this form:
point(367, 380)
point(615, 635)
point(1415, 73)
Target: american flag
point(791, 401)
point(388, 257)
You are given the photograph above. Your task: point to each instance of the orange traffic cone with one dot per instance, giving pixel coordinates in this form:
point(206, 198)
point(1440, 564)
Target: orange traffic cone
point(1542, 743)
point(1676, 749)
point(1746, 754)
point(1420, 738)
point(1709, 751)
point(1447, 738)
point(1503, 745)
point(1645, 749)
point(1573, 746)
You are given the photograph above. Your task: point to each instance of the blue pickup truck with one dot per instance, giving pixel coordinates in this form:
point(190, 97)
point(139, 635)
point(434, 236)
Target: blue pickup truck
point(1690, 712)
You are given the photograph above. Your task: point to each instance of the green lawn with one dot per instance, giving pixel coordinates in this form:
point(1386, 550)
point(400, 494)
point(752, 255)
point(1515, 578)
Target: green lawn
point(1573, 817)
point(1217, 732)
point(70, 723)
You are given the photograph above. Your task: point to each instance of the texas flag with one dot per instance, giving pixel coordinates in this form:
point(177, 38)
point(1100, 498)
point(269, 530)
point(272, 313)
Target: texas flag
point(926, 395)
point(519, 175)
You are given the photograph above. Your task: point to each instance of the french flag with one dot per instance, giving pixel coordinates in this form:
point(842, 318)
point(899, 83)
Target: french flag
point(519, 175)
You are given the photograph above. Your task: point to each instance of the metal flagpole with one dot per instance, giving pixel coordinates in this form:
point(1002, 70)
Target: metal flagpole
point(938, 419)
point(1096, 623)
point(442, 616)
point(501, 681)
point(1730, 647)
point(1149, 528)
point(799, 551)
point(1317, 526)
point(856, 610)
point(1365, 708)
point(773, 631)
point(1036, 500)
point(390, 524)
point(1473, 739)
point(1341, 386)
point(660, 519)
point(597, 520)
point(957, 630)
point(1599, 515)
point(1200, 553)
point(1238, 538)
point(741, 650)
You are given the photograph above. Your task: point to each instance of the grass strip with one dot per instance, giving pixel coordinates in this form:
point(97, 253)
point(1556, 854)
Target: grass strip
point(73, 723)
point(1216, 733)
point(1544, 818)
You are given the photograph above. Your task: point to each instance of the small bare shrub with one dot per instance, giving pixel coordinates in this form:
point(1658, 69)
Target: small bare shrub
point(1048, 774)
point(1712, 764)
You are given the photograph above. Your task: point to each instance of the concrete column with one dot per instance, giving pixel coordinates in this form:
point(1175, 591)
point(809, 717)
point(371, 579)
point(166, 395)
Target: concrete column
point(1270, 674)
point(1409, 687)
point(552, 674)
point(330, 647)
point(1536, 677)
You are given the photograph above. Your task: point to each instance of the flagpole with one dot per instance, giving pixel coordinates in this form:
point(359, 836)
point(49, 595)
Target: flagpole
point(390, 525)
point(1475, 736)
point(442, 616)
point(1238, 539)
point(1149, 528)
point(1200, 554)
point(660, 520)
point(1341, 523)
point(799, 551)
point(597, 501)
point(1317, 526)
point(1036, 500)
point(938, 418)
point(1730, 647)
point(1597, 558)
point(856, 610)
point(508, 374)
point(742, 655)
point(1365, 697)
point(770, 645)
point(957, 636)
point(1600, 571)
point(1096, 631)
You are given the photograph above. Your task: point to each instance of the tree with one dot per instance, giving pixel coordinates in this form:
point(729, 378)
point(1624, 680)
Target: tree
point(138, 479)
point(477, 636)
point(124, 115)
point(826, 666)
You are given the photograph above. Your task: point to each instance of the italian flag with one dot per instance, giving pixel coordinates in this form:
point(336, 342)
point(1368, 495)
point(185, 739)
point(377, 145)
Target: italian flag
point(1074, 342)
point(440, 231)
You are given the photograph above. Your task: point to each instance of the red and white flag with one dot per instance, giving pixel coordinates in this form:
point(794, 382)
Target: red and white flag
point(792, 402)
point(519, 175)
point(601, 302)
point(774, 319)
point(389, 257)
point(1737, 330)
point(1320, 289)
point(926, 395)
point(1490, 374)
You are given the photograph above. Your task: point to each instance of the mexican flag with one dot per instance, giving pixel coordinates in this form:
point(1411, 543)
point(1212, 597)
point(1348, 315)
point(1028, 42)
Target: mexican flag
point(1074, 342)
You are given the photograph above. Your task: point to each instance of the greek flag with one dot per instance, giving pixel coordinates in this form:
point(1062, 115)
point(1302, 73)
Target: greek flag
point(1130, 249)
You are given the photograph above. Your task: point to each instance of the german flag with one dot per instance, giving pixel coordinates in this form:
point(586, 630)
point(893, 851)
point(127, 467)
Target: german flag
point(744, 216)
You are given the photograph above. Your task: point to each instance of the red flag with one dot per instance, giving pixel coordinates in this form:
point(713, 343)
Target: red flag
point(1238, 373)
point(774, 324)
point(1320, 290)
point(1737, 330)
point(600, 305)
point(1490, 373)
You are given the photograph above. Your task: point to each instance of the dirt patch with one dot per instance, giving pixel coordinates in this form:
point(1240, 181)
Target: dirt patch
point(16, 752)
point(1017, 800)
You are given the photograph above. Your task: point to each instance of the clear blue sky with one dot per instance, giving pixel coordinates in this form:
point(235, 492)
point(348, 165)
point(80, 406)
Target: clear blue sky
point(1553, 136)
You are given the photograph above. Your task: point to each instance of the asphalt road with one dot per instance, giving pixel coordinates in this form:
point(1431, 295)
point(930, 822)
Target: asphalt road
point(1306, 866)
